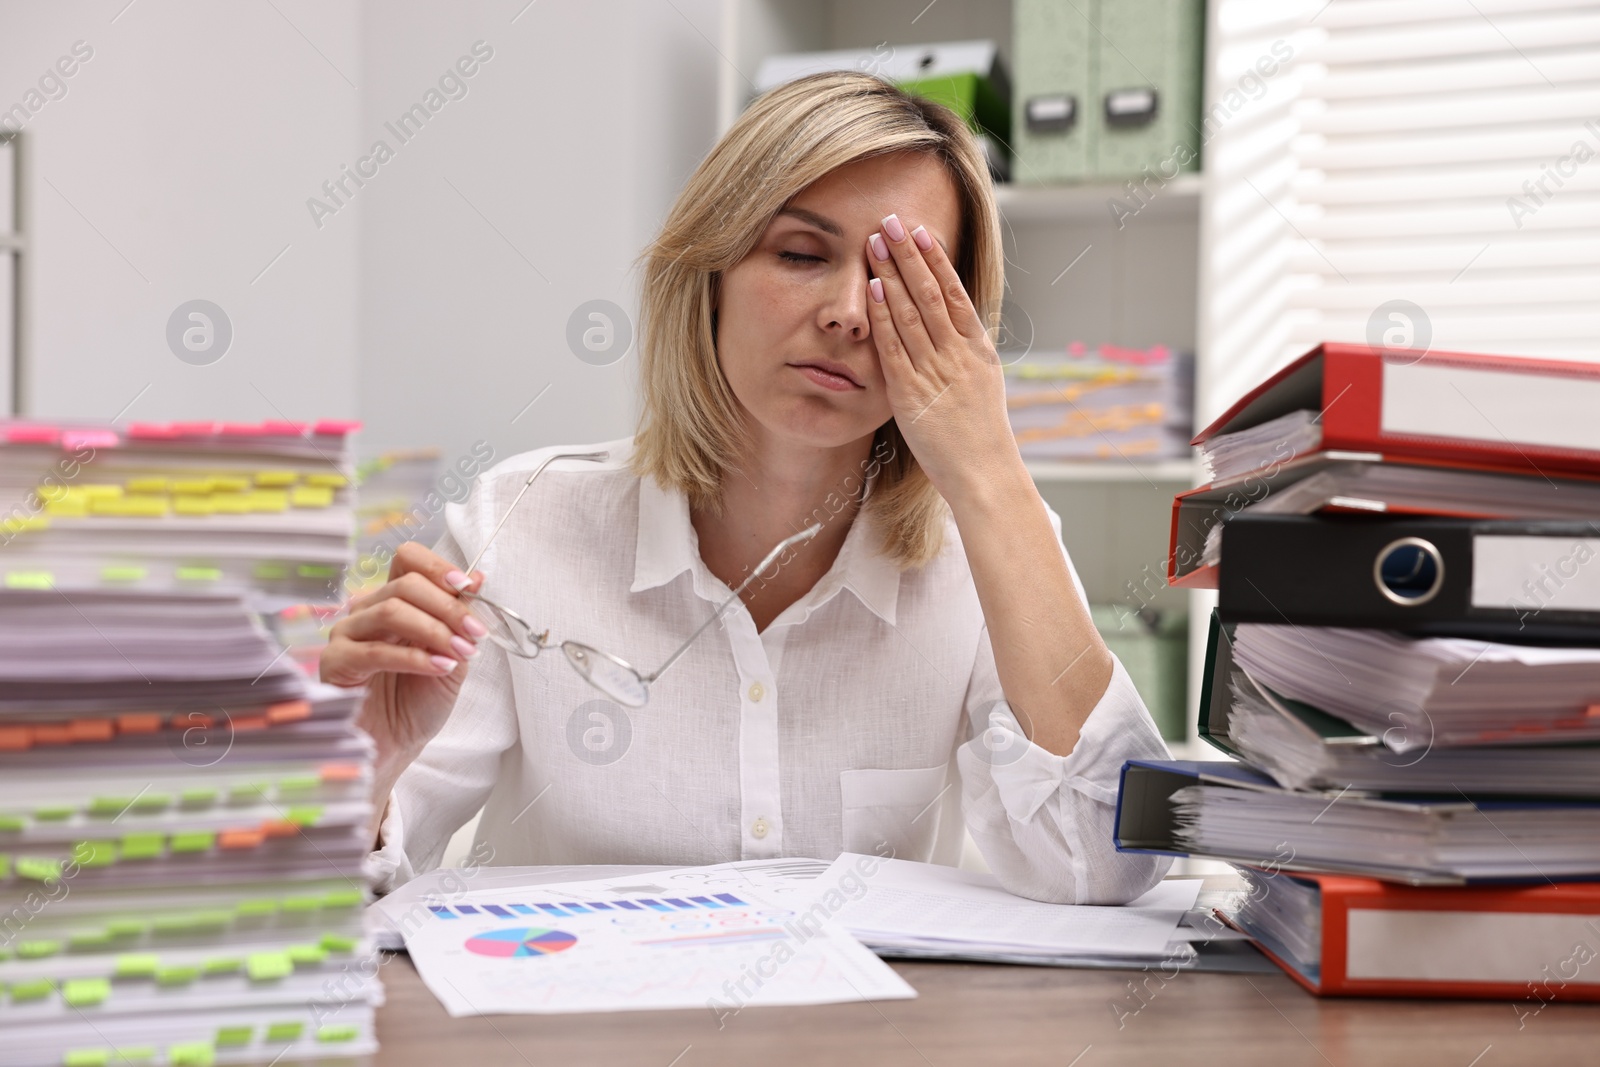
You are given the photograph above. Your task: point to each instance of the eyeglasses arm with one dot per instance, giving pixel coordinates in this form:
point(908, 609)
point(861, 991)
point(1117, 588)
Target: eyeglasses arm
point(789, 542)
point(595, 457)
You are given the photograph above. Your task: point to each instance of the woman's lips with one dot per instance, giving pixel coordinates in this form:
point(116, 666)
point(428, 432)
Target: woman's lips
point(826, 379)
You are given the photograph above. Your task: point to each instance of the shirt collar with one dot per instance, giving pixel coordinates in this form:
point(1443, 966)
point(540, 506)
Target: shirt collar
point(668, 545)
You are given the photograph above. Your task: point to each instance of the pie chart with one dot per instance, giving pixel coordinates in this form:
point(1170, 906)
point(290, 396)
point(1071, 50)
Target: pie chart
point(520, 941)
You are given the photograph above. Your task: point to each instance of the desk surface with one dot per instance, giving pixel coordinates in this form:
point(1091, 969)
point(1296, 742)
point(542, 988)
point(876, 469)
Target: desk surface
point(995, 1015)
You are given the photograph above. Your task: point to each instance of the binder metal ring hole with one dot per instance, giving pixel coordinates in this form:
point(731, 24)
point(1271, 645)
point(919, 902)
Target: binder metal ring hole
point(1409, 571)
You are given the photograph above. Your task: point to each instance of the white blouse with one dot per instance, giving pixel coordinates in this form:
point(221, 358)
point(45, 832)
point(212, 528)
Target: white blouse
point(868, 716)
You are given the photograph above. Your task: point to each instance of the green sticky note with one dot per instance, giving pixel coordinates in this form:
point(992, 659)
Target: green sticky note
point(250, 792)
point(305, 815)
point(301, 903)
point(265, 966)
point(109, 805)
point(197, 797)
point(343, 898)
point(122, 574)
point(5, 865)
point(314, 570)
point(254, 909)
point(172, 924)
point(338, 943)
point(151, 801)
point(212, 917)
point(94, 853)
point(198, 574)
point(54, 812)
point(13, 822)
point(85, 992)
point(37, 950)
point(298, 783)
point(38, 869)
point(143, 845)
point(177, 975)
point(345, 1032)
point(29, 580)
point(127, 927)
point(86, 1057)
point(285, 1031)
point(306, 954)
point(32, 988)
point(137, 965)
point(192, 1054)
point(193, 841)
point(89, 939)
point(135, 1054)
point(231, 1036)
point(224, 965)
point(271, 571)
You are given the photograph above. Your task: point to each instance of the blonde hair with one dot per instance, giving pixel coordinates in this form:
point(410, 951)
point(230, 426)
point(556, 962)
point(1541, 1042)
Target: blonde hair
point(690, 434)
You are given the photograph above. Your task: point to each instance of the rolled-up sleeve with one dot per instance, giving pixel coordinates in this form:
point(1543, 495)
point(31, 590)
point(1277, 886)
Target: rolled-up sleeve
point(1044, 822)
point(455, 773)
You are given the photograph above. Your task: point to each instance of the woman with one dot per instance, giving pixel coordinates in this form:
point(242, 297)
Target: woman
point(813, 352)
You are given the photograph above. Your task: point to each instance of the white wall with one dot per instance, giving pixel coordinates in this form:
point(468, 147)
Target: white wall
point(516, 203)
point(192, 139)
point(174, 168)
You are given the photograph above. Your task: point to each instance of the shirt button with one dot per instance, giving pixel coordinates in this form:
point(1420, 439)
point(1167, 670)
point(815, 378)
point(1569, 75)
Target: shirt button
point(757, 691)
point(759, 828)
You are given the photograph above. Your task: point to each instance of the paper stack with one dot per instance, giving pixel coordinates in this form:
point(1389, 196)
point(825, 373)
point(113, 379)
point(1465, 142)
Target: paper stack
point(1411, 679)
point(182, 812)
point(1110, 404)
point(264, 509)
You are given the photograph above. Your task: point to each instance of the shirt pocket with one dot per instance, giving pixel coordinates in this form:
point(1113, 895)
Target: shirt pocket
point(893, 808)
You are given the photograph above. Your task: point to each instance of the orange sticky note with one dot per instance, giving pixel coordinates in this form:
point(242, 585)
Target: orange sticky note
point(290, 711)
point(240, 838)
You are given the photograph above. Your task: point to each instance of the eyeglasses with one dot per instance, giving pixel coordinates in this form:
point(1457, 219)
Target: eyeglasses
point(611, 675)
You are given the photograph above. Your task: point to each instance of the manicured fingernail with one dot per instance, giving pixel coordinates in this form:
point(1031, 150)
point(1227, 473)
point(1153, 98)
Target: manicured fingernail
point(457, 580)
point(473, 626)
point(892, 227)
point(879, 249)
point(464, 648)
point(444, 663)
point(876, 287)
point(924, 241)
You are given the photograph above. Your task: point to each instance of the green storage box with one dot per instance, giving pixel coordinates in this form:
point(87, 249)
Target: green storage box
point(1132, 70)
point(1154, 649)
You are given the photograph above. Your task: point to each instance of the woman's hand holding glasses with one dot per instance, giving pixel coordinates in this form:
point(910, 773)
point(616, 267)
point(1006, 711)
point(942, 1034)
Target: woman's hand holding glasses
point(409, 642)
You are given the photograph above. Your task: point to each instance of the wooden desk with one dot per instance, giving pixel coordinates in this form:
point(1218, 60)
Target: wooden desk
point(995, 1015)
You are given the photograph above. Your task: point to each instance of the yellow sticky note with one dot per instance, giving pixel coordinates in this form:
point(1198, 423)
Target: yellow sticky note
point(275, 478)
point(231, 503)
point(310, 496)
point(268, 500)
point(68, 507)
point(193, 485)
point(194, 504)
point(331, 481)
point(147, 485)
point(229, 483)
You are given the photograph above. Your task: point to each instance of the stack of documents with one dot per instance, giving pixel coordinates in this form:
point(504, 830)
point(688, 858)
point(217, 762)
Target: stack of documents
point(1405, 656)
point(182, 812)
point(922, 910)
point(782, 931)
point(1112, 404)
point(178, 507)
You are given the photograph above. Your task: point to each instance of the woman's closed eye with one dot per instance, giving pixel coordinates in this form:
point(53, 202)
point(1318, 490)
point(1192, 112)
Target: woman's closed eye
point(799, 257)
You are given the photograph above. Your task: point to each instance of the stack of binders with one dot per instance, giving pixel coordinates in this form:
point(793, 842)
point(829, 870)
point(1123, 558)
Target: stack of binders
point(1405, 662)
point(182, 811)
